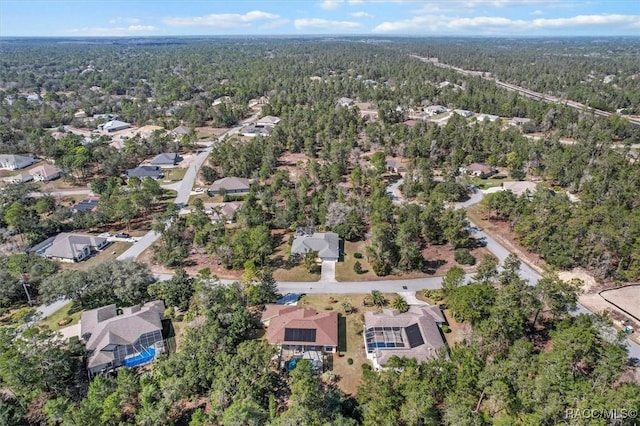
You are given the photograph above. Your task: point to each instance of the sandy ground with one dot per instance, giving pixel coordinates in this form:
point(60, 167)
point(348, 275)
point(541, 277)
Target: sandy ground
point(627, 298)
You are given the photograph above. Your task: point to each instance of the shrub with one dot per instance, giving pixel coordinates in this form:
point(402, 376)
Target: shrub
point(350, 361)
point(446, 329)
point(357, 255)
point(328, 308)
point(381, 268)
point(64, 321)
point(464, 257)
point(357, 268)
point(365, 367)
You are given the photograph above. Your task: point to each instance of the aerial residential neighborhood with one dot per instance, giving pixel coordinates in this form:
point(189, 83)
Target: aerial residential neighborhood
point(319, 213)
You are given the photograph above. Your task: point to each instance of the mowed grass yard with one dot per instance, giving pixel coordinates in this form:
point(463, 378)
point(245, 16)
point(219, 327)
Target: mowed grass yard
point(350, 340)
point(174, 174)
point(112, 251)
point(52, 320)
point(296, 273)
point(345, 272)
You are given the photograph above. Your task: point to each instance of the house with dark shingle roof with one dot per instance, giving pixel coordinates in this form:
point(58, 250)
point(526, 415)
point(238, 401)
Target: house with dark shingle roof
point(142, 172)
point(127, 340)
point(165, 159)
point(413, 334)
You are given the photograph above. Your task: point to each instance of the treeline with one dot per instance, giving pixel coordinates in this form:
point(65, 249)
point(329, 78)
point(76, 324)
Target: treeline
point(574, 68)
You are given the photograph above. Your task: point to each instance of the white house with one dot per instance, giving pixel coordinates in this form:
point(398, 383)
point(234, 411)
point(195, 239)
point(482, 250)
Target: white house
point(15, 162)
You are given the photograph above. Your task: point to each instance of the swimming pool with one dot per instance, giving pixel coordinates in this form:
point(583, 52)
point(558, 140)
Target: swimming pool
point(143, 357)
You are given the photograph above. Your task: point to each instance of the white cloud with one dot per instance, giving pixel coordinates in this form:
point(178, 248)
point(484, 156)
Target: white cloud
point(121, 20)
point(330, 4)
point(537, 12)
point(325, 24)
point(114, 31)
point(228, 20)
point(361, 15)
point(355, 2)
point(492, 24)
point(588, 20)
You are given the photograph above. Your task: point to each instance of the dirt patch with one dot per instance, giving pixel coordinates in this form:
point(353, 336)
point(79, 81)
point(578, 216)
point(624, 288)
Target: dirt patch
point(208, 132)
point(626, 298)
point(589, 282)
point(294, 163)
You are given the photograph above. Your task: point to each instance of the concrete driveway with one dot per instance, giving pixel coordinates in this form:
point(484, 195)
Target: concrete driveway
point(410, 297)
point(328, 274)
point(69, 332)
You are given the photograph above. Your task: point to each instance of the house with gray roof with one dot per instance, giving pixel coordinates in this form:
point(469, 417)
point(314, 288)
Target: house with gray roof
point(113, 126)
point(67, 247)
point(268, 121)
point(142, 172)
point(165, 159)
point(43, 173)
point(132, 338)
point(180, 131)
point(413, 334)
point(15, 162)
point(326, 244)
point(230, 185)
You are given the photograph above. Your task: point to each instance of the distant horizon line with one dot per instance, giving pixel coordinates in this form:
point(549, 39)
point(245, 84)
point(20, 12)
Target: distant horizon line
point(349, 35)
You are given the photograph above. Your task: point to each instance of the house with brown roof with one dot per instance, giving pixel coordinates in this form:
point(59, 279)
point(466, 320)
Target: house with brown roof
point(125, 337)
point(413, 334)
point(301, 330)
point(480, 170)
point(222, 212)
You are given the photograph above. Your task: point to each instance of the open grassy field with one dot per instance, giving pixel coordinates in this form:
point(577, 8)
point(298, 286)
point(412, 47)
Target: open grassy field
point(114, 250)
point(52, 320)
point(350, 340)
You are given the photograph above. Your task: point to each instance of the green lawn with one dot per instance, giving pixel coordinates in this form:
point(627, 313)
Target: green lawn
point(112, 251)
point(174, 175)
point(350, 340)
point(52, 320)
point(487, 183)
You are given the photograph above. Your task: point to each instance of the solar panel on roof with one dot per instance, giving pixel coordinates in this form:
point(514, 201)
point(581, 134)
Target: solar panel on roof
point(300, 334)
point(414, 336)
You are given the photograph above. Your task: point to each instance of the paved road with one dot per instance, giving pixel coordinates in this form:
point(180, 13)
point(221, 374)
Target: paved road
point(61, 193)
point(46, 310)
point(184, 192)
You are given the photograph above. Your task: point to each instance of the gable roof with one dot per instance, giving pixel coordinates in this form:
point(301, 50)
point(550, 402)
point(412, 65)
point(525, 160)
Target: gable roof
point(327, 244)
point(102, 327)
point(303, 326)
point(478, 167)
point(145, 171)
point(15, 158)
point(269, 120)
point(230, 184)
point(165, 158)
point(180, 130)
point(414, 334)
point(69, 246)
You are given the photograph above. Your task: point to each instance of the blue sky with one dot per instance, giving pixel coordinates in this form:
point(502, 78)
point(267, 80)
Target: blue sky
point(375, 17)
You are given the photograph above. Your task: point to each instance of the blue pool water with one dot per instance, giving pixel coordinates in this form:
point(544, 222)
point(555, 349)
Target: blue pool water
point(291, 364)
point(143, 357)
